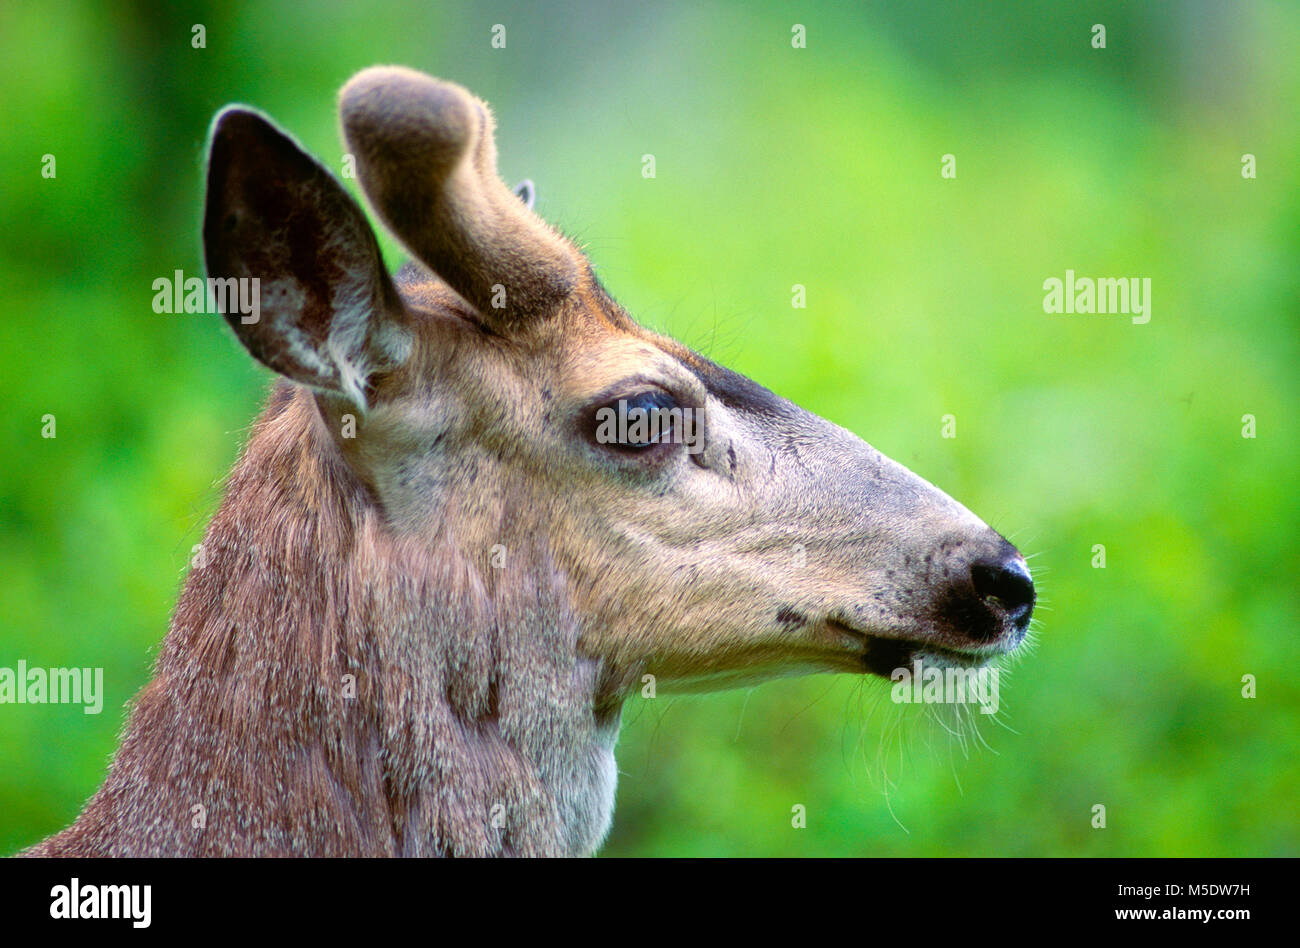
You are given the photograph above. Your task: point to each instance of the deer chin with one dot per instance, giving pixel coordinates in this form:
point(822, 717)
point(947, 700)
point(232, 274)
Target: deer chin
point(881, 655)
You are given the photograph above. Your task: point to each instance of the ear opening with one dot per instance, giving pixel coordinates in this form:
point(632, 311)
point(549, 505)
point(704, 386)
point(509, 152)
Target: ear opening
point(326, 313)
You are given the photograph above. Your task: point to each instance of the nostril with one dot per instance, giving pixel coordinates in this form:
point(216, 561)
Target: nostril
point(1005, 585)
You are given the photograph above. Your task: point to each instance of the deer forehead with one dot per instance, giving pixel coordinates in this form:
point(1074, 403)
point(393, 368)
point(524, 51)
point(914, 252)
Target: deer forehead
point(590, 348)
point(615, 363)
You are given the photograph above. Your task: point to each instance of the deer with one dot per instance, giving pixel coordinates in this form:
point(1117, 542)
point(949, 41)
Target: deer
point(430, 587)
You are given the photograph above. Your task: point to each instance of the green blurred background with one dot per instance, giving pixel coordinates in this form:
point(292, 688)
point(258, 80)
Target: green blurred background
point(775, 166)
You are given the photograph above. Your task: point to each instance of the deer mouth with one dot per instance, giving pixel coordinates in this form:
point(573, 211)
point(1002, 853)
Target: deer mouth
point(881, 655)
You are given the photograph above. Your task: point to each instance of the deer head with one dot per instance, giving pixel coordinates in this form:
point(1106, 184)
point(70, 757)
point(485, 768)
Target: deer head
point(780, 543)
point(442, 483)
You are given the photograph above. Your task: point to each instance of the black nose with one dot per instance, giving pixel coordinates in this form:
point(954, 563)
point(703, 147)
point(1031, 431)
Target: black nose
point(1005, 586)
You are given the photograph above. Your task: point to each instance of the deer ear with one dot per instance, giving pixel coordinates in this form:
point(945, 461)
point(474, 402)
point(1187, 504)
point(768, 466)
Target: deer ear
point(427, 161)
point(526, 191)
point(324, 312)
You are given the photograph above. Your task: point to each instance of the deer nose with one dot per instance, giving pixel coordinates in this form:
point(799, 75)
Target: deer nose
point(1005, 587)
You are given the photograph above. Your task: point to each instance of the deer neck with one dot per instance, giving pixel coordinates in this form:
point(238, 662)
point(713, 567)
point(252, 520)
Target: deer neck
point(330, 687)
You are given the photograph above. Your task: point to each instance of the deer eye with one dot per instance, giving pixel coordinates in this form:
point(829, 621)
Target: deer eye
point(639, 422)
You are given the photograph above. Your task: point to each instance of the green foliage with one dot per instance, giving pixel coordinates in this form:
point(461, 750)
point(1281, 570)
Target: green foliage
point(775, 166)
